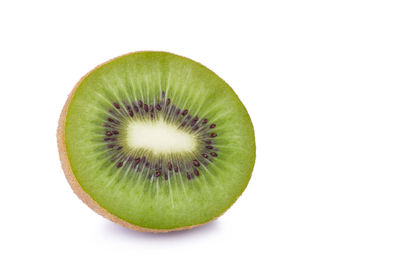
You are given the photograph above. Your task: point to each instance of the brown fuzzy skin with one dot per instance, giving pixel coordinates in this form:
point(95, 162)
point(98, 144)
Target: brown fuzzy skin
point(76, 187)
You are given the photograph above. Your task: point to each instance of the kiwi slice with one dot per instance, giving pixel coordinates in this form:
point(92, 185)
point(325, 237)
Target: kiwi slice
point(156, 142)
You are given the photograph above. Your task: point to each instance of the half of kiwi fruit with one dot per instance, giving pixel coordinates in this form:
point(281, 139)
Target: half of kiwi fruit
point(156, 142)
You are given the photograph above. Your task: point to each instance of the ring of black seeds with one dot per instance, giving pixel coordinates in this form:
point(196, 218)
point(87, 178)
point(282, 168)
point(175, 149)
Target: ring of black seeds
point(158, 167)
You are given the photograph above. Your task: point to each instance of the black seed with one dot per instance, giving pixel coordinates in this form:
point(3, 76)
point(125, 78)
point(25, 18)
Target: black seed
point(151, 108)
point(209, 147)
point(119, 148)
point(204, 156)
point(108, 133)
point(166, 176)
point(137, 160)
point(176, 168)
point(115, 132)
point(107, 139)
point(213, 135)
point(196, 163)
point(205, 121)
point(129, 110)
point(113, 121)
point(178, 111)
point(119, 165)
point(196, 118)
point(140, 103)
point(193, 123)
point(136, 109)
point(111, 146)
point(207, 141)
point(116, 105)
point(106, 125)
point(188, 176)
point(168, 101)
point(146, 107)
point(169, 166)
point(156, 174)
point(147, 164)
point(212, 126)
point(158, 107)
point(185, 112)
point(183, 124)
point(111, 111)
point(214, 154)
point(152, 115)
point(196, 128)
point(196, 172)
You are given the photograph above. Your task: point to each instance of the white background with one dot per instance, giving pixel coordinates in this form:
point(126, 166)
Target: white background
point(320, 79)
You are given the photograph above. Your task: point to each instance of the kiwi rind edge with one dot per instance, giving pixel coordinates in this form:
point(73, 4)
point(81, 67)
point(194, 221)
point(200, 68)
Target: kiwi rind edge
point(77, 188)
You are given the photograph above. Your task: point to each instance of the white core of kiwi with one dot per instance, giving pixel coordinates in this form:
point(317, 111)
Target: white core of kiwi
point(159, 137)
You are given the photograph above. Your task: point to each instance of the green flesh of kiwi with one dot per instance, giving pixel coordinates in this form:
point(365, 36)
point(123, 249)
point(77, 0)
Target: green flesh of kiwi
point(156, 142)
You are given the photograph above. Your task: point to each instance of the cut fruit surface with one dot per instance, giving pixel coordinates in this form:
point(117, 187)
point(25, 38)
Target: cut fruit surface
point(156, 142)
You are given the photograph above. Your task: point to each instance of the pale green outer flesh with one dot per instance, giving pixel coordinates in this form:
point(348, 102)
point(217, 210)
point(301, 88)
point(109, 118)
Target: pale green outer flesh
point(156, 203)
